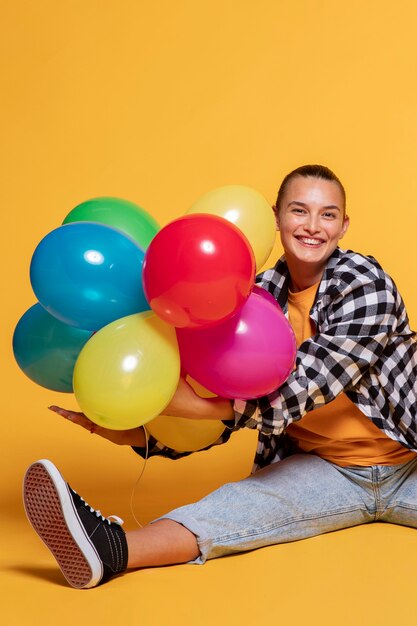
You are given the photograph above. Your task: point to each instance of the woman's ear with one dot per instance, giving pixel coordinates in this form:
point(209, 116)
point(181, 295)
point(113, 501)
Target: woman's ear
point(346, 222)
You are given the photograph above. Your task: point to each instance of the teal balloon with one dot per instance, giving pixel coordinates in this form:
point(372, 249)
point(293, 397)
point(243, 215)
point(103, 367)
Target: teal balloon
point(46, 349)
point(124, 215)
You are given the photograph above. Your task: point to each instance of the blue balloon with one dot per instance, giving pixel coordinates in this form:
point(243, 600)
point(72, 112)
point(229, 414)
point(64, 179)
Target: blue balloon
point(88, 274)
point(46, 349)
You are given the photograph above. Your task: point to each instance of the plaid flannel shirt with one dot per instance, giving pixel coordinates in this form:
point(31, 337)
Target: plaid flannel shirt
point(363, 347)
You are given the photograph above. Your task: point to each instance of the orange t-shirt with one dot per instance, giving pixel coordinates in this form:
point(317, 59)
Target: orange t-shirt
point(338, 432)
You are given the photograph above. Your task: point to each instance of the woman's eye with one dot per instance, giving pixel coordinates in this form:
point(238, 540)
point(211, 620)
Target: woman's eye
point(329, 215)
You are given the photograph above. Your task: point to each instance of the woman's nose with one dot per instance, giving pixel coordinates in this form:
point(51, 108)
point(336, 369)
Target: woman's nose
point(312, 224)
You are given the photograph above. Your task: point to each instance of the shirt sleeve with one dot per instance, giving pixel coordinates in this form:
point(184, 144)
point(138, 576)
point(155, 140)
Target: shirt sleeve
point(357, 321)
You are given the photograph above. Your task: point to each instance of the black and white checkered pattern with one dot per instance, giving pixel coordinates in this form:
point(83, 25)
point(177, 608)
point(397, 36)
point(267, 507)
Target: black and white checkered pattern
point(363, 347)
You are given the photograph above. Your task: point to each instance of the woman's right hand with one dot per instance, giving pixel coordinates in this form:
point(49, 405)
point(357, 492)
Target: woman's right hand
point(133, 437)
point(185, 403)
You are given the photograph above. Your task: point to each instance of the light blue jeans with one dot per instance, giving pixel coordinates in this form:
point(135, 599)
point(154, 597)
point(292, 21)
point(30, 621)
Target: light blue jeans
point(298, 497)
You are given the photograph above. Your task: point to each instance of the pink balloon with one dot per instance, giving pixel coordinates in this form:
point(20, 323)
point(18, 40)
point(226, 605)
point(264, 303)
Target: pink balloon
point(260, 291)
point(246, 356)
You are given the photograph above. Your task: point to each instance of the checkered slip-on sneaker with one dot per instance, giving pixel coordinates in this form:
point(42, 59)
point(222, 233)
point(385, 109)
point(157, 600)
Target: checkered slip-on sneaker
point(88, 547)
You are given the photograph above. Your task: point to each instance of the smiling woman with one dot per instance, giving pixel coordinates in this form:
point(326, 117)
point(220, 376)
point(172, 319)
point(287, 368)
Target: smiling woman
point(311, 217)
point(343, 424)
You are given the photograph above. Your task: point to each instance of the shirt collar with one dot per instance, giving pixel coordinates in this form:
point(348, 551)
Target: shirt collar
point(276, 280)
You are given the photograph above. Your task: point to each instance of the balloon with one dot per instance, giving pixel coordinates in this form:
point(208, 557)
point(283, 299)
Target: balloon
point(185, 435)
point(247, 356)
point(88, 275)
point(46, 349)
point(248, 210)
point(198, 270)
point(130, 218)
point(267, 295)
point(128, 372)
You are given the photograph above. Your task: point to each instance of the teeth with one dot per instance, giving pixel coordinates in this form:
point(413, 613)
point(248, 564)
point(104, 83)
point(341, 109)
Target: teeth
point(310, 241)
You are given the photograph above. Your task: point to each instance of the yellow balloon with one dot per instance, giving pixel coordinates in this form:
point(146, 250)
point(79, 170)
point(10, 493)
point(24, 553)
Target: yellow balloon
point(184, 435)
point(248, 210)
point(127, 373)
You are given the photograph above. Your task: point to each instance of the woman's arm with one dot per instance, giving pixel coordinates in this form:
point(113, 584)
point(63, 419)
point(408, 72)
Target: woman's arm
point(360, 318)
point(132, 437)
point(185, 403)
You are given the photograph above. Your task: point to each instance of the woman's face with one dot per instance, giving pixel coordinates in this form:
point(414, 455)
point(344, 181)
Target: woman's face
point(311, 220)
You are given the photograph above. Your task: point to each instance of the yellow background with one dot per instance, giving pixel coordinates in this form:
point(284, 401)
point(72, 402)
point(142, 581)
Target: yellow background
point(158, 103)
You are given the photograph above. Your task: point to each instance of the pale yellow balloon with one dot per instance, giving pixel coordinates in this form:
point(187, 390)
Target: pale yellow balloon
point(185, 435)
point(248, 210)
point(127, 373)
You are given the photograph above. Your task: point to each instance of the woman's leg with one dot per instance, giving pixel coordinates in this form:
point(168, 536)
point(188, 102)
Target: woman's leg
point(297, 498)
point(88, 547)
point(163, 543)
point(398, 494)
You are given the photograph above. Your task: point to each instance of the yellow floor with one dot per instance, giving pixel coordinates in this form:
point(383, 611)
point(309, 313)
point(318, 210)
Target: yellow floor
point(336, 579)
point(364, 576)
point(158, 103)
point(329, 580)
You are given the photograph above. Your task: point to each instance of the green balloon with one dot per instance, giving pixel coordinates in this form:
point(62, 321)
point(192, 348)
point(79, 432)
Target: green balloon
point(124, 215)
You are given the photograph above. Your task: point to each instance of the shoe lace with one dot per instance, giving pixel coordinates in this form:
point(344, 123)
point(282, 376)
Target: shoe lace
point(111, 518)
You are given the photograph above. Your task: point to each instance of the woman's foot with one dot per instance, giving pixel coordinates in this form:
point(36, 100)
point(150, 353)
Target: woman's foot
point(88, 547)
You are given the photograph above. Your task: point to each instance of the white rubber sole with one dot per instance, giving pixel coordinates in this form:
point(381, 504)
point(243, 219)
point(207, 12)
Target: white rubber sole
point(50, 510)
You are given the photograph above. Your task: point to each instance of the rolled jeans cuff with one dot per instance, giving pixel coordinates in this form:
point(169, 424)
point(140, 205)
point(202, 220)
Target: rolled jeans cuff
point(203, 541)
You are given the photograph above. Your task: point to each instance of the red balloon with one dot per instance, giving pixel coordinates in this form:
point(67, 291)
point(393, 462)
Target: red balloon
point(198, 271)
point(247, 356)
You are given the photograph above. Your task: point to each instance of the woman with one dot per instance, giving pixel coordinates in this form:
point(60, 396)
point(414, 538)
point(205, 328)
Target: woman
point(343, 425)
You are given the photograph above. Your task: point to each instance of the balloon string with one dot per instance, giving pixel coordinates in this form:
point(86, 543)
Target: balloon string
point(132, 496)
